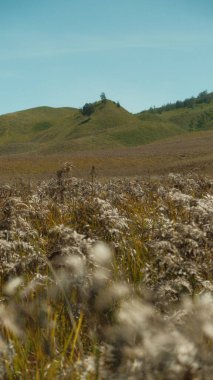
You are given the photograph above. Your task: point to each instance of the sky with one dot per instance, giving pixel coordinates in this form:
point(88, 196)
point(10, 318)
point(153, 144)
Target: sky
point(142, 53)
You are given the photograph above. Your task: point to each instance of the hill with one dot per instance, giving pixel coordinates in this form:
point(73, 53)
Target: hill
point(54, 130)
point(57, 130)
point(190, 115)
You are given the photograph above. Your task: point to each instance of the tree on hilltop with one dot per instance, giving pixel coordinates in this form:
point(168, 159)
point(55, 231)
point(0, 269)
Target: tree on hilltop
point(103, 97)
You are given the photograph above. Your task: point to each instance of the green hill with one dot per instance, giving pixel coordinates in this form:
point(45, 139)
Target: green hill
point(190, 120)
point(193, 114)
point(56, 130)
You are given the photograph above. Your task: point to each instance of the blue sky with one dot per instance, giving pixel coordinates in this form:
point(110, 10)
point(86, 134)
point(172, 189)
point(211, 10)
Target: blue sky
point(140, 52)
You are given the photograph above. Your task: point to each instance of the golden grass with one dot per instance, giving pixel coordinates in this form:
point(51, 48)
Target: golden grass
point(189, 152)
point(54, 325)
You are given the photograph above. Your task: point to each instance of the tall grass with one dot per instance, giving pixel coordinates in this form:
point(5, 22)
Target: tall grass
point(106, 279)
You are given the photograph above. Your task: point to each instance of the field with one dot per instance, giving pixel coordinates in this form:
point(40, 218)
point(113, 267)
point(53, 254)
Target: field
point(106, 241)
point(192, 151)
point(110, 278)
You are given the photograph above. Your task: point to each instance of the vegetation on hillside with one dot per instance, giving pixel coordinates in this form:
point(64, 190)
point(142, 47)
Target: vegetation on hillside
point(190, 115)
point(99, 125)
point(203, 98)
point(88, 109)
point(138, 306)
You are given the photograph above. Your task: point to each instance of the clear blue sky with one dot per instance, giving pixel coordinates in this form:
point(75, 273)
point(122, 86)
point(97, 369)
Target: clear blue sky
point(139, 52)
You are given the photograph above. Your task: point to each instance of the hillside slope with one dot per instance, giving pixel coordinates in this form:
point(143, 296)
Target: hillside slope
point(57, 130)
point(190, 117)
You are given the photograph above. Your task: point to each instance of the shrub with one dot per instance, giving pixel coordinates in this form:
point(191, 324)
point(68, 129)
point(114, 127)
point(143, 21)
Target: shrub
point(88, 109)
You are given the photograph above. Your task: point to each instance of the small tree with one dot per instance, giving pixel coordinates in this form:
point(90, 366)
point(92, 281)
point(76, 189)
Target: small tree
point(103, 97)
point(88, 109)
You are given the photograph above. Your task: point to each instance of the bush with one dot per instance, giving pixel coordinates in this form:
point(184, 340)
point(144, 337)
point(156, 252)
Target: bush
point(88, 109)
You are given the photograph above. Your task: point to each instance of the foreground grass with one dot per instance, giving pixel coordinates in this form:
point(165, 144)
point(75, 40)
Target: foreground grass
point(138, 306)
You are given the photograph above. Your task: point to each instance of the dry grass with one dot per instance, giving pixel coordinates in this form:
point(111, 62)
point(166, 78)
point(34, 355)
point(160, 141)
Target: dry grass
point(138, 307)
point(192, 152)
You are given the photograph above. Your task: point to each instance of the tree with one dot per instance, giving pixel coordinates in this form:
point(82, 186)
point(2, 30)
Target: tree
point(203, 97)
point(88, 109)
point(103, 97)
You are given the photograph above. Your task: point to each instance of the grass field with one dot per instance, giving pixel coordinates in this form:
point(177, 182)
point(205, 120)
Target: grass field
point(188, 152)
point(138, 306)
point(109, 275)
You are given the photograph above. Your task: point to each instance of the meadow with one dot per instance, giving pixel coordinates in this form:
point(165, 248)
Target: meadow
point(189, 152)
point(107, 278)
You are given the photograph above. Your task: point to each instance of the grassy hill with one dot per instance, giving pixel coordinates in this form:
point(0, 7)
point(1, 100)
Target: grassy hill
point(57, 130)
point(34, 129)
point(46, 129)
point(194, 119)
point(37, 141)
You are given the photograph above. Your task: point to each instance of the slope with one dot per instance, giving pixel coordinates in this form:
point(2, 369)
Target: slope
point(59, 130)
point(192, 118)
point(52, 130)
